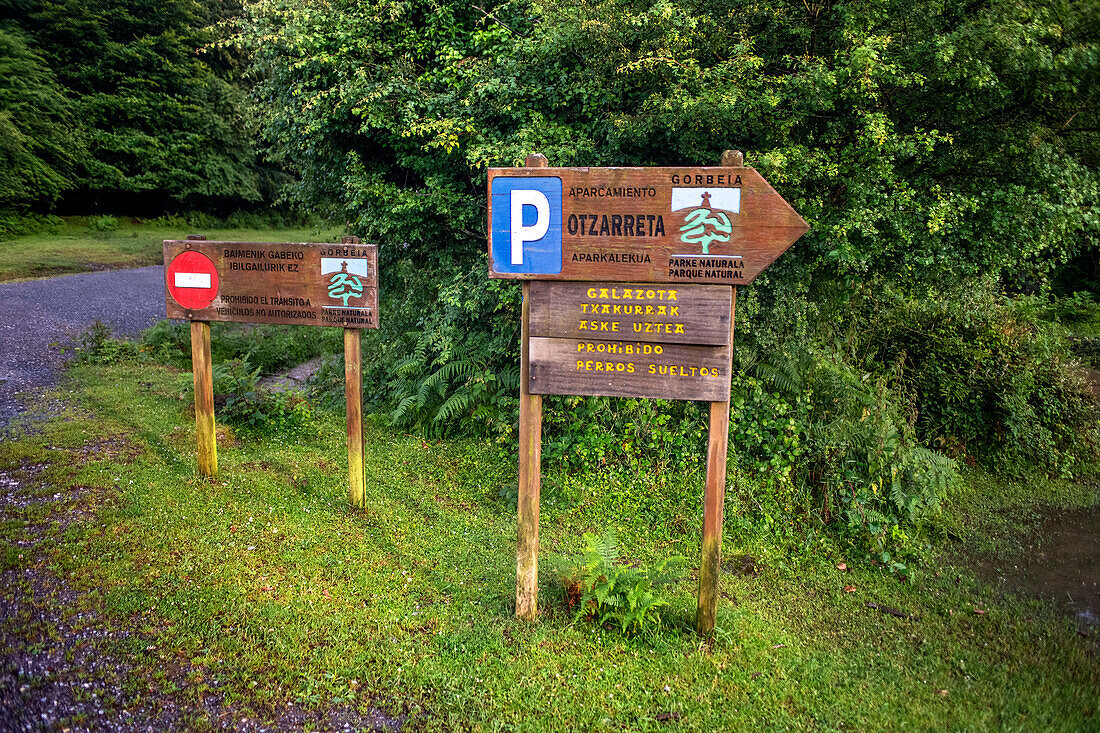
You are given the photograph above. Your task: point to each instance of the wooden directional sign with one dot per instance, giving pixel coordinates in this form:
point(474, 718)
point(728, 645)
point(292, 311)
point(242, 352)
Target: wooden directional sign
point(630, 340)
point(720, 225)
point(644, 253)
point(258, 282)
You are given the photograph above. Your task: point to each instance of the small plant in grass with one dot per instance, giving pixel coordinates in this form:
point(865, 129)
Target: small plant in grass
point(95, 346)
point(597, 586)
point(253, 408)
point(102, 223)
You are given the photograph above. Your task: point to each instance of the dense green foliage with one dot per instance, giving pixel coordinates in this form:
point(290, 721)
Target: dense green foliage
point(935, 149)
point(123, 105)
point(39, 145)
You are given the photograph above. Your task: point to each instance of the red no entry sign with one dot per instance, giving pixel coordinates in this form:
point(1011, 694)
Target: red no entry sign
point(192, 280)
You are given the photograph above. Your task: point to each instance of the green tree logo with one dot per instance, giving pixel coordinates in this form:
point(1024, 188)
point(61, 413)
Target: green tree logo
point(704, 225)
point(344, 286)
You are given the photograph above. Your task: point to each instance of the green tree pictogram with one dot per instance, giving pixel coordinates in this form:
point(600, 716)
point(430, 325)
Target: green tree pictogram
point(703, 226)
point(344, 285)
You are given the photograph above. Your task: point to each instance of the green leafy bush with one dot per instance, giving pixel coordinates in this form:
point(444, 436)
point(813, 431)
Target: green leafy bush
point(988, 380)
point(96, 346)
point(445, 359)
point(14, 224)
point(822, 441)
point(597, 586)
point(1087, 349)
point(269, 348)
point(102, 223)
point(247, 406)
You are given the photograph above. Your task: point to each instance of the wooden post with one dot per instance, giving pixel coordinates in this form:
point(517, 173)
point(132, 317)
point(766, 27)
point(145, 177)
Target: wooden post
point(353, 397)
point(714, 500)
point(203, 373)
point(530, 463)
point(714, 497)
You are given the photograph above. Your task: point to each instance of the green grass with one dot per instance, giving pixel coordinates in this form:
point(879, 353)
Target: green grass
point(76, 247)
point(267, 581)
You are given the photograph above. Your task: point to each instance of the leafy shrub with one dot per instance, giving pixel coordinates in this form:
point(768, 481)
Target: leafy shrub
point(168, 341)
point(866, 461)
point(1087, 349)
point(14, 224)
point(102, 223)
point(269, 348)
point(252, 408)
point(445, 360)
point(989, 381)
point(1077, 308)
point(820, 438)
point(95, 346)
point(597, 586)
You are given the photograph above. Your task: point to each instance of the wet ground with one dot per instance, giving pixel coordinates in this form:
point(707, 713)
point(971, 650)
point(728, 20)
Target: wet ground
point(66, 666)
point(1060, 563)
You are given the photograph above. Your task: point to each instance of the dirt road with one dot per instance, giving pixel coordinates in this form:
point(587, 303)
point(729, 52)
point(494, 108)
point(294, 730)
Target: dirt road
point(39, 318)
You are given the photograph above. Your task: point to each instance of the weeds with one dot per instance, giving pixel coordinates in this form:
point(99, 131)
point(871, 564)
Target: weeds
point(597, 586)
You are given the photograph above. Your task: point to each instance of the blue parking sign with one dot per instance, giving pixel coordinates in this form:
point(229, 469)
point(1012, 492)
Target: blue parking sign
point(526, 225)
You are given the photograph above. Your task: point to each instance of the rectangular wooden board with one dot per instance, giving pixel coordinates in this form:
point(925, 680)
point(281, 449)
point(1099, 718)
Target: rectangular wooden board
point(684, 314)
point(720, 225)
point(629, 369)
point(298, 283)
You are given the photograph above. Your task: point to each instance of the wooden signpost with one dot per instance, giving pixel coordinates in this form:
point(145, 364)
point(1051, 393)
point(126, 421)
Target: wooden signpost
point(309, 284)
point(633, 298)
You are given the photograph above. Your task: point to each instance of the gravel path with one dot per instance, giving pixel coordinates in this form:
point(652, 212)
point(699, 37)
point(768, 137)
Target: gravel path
point(40, 317)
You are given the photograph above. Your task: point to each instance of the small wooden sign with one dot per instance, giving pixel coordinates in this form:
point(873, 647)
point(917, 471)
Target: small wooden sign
point(686, 314)
point(310, 284)
point(720, 225)
point(630, 340)
point(618, 369)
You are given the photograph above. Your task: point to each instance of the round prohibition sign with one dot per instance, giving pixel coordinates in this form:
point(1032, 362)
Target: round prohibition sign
point(192, 280)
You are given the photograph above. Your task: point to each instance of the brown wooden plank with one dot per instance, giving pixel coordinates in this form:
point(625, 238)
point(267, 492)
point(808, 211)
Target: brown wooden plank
point(530, 480)
point(353, 397)
point(714, 499)
point(530, 464)
point(264, 282)
point(644, 225)
point(629, 369)
point(687, 314)
point(202, 370)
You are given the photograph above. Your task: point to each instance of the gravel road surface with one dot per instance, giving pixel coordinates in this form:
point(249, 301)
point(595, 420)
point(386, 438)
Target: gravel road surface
point(40, 317)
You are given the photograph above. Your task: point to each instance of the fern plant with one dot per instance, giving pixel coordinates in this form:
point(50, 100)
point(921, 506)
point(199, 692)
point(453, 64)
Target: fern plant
point(597, 586)
point(435, 394)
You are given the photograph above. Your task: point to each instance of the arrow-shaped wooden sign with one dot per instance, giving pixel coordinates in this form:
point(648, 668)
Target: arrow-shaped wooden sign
point(720, 225)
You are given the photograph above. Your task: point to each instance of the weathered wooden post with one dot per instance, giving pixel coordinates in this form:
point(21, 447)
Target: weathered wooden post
point(202, 371)
point(353, 397)
point(530, 462)
point(714, 496)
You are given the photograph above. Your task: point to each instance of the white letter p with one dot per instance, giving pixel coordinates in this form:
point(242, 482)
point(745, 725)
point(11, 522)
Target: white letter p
point(536, 231)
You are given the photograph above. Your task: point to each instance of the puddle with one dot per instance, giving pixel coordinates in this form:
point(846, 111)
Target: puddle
point(1061, 563)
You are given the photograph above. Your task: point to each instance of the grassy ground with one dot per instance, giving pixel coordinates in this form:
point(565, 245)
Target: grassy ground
point(266, 585)
point(76, 247)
